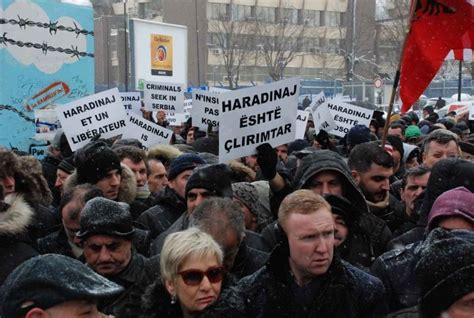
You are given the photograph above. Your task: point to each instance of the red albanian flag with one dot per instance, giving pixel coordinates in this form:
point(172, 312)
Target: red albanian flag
point(465, 52)
point(437, 27)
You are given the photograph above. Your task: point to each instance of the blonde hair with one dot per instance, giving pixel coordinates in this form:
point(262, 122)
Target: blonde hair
point(181, 245)
point(301, 202)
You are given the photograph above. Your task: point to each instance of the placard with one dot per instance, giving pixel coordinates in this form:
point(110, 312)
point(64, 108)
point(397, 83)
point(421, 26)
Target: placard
point(148, 133)
point(102, 113)
point(132, 102)
point(205, 110)
point(168, 97)
point(257, 115)
point(322, 116)
point(301, 122)
point(347, 116)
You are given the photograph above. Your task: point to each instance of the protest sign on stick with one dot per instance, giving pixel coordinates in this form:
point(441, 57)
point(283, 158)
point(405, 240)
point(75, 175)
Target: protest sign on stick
point(148, 133)
point(168, 97)
point(102, 113)
point(257, 115)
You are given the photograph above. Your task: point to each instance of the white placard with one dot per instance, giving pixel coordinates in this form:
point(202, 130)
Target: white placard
point(317, 101)
point(471, 113)
point(168, 97)
point(301, 122)
point(205, 110)
point(102, 113)
point(148, 133)
point(347, 116)
point(176, 119)
point(132, 102)
point(253, 116)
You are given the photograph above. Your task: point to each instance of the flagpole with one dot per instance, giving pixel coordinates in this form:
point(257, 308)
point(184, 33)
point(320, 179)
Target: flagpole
point(397, 77)
point(460, 81)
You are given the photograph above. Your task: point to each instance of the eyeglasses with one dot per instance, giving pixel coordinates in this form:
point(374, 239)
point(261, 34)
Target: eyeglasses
point(193, 277)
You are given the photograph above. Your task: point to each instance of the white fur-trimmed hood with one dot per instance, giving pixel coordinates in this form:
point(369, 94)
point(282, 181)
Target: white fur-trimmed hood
point(17, 217)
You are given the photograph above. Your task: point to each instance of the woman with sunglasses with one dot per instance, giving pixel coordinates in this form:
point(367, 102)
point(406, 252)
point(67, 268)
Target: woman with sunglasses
point(191, 276)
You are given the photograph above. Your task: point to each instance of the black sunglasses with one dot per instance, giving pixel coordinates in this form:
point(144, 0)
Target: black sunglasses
point(193, 277)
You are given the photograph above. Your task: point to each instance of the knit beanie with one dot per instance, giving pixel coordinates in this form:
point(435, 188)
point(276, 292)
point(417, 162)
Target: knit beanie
point(445, 271)
point(105, 217)
point(246, 193)
point(396, 143)
point(94, 161)
point(215, 178)
point(187, 161)
point(456, 202)
point(67, 165)
point(412, 131)
point(358, 135)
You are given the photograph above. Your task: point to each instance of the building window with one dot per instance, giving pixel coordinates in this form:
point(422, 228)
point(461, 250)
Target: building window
point(312, 18)
point(332, 46)
point(333, 19)
point(216, 11)
point(289, 16)
point(241, 13)
point(310, 45)
point(266, 14)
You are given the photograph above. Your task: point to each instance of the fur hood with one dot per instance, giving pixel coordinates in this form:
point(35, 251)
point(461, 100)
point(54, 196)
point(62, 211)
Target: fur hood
point(16, 217)
point(29, 179)
point(163, 151)
point(240, 172)
point(127, 190)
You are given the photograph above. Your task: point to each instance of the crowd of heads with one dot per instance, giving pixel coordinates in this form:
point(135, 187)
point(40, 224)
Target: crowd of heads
point(180, 231)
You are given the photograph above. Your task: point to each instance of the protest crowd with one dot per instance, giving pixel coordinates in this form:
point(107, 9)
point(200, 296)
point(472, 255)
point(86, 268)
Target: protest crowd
point(322, 226)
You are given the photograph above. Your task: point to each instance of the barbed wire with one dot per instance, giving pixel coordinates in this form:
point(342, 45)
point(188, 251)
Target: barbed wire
point(13, 109)
point(44, 47)
point(52, 26)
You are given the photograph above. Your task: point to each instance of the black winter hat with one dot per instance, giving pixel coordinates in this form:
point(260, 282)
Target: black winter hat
point(48, 280)
point(67, 165)
point(297, 145)
point(344, 208)
point(187, 161)
point(396, 143)
point(445, 271)
point(215, 178)
point(106, 217)
point(358, 135)
point(94, 161)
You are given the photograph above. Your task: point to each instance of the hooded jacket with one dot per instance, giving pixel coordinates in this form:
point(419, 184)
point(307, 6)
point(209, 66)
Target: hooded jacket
point(14, 221)
point(343, 291)
point(127, 189)
point(370, 234)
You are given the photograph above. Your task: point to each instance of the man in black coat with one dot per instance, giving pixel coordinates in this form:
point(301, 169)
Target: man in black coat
point(222, 218)
point(325, 172)
point(63, 241)
point(170, 202)
point(106, 237)
point(303, 277)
